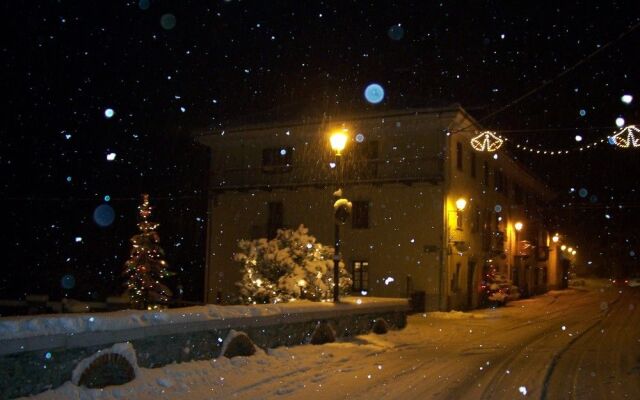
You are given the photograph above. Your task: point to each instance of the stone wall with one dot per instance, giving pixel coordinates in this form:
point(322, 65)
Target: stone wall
point(39, 361)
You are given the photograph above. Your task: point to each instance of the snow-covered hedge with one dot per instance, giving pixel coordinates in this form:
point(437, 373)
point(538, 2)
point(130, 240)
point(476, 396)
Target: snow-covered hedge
point(293, 265)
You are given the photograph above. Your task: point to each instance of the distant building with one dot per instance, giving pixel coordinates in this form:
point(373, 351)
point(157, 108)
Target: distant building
point(403, 171)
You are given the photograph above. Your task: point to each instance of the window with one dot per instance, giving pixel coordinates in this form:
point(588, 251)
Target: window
point(277, 159)
point(459, 156)
point(485, 180)
point(360, 215)
point(365, 160)
point(360, 274)
point(500, 181)
point(455, 278)
point(476, 220)
point(275, 218)
point(518, 198)
point(473, 164)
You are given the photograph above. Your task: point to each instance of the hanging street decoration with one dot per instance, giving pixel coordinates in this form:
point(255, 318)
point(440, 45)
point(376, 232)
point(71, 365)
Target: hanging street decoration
point(535, 150)
point(628, 136)
point(486, 141)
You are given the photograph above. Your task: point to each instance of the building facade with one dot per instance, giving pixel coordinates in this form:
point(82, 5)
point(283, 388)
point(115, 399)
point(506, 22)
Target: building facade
point(404, 173)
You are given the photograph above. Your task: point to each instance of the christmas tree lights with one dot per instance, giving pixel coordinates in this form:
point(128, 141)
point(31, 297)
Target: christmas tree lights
point(627, 137)
point(145, 267)
point(486, 141)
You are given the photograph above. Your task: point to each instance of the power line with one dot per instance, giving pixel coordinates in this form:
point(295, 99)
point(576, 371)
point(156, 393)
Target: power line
point(560, 75)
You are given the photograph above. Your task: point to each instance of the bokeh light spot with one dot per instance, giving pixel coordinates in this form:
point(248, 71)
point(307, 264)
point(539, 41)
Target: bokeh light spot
point(168, 21)
point(144, 4)
point(374, 93)
point(583, 192)
point(68, 281)
point(627, 99)
point(396, 32)
point(108, 113)
point(104, 215)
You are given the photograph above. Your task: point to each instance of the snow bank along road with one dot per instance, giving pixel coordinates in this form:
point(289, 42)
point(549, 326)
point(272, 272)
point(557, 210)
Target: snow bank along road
point(572, 344)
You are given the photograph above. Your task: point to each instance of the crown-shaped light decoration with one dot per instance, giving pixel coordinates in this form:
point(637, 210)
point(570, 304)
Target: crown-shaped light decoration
point(629, 136)
point(487, 141)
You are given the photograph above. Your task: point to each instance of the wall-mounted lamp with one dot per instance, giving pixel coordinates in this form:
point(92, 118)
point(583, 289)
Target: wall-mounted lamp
point(461, 203)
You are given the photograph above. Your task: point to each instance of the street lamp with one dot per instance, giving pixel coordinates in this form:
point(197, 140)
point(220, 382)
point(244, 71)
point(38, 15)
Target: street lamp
point(338, 141)
point(555, 238)
point(342, 207)
point(563, 247)
point(518, 226)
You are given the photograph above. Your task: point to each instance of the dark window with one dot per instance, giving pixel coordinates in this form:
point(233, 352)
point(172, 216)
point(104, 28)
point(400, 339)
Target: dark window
point(365, 160)
point(360, 274)
point(459, 156)
point(500, 181)
point(473, 164)
point(276, 160)
point(485, 167)
point(360, 215)
point(476, 220)
point(518, 197)
point(275, 219)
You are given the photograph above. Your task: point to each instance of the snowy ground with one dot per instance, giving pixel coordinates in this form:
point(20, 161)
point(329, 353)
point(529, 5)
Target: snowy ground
point(579, 343)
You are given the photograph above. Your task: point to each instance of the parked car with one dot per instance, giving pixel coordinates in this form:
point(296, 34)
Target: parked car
point(619, 281)
point(633, 282)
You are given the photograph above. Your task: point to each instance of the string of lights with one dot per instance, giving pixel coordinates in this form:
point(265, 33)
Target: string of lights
point(490, 141)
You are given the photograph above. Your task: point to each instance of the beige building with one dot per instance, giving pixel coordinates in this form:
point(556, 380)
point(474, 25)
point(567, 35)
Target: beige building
point(403, 171)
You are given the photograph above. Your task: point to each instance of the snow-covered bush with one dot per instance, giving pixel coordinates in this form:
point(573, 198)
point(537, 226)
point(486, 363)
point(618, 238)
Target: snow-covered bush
point(293, 265)
point(323, 333)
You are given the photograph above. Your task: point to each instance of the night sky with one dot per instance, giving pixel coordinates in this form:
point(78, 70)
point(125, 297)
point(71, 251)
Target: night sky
point(169, 70)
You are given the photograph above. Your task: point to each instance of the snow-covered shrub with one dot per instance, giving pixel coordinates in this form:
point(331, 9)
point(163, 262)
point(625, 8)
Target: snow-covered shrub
point(293, 265)
point(237, 344)
point(113, 366)
point(323, 333)
point(380, 326)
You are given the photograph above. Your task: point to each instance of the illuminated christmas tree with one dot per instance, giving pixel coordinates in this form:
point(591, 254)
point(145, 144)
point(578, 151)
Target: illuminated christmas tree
point(146, 268)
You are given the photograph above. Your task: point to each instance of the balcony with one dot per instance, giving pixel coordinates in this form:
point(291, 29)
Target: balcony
point(399, 170)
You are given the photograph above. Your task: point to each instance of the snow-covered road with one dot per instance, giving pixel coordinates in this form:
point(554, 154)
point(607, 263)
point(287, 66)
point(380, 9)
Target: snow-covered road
point(574, 343)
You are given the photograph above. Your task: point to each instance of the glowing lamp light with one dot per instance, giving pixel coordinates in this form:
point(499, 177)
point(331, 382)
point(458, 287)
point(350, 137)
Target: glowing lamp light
point(486, 141)
point(570, 249)
point(627, 137)
point(518, 225)
point(574, 252)
point(461, 203)
point(339, 141)
point(563, 247)
point(555, 238)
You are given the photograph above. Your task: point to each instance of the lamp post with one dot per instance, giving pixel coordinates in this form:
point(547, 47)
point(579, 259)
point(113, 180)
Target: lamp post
point(518, 226)
point(341, 207)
